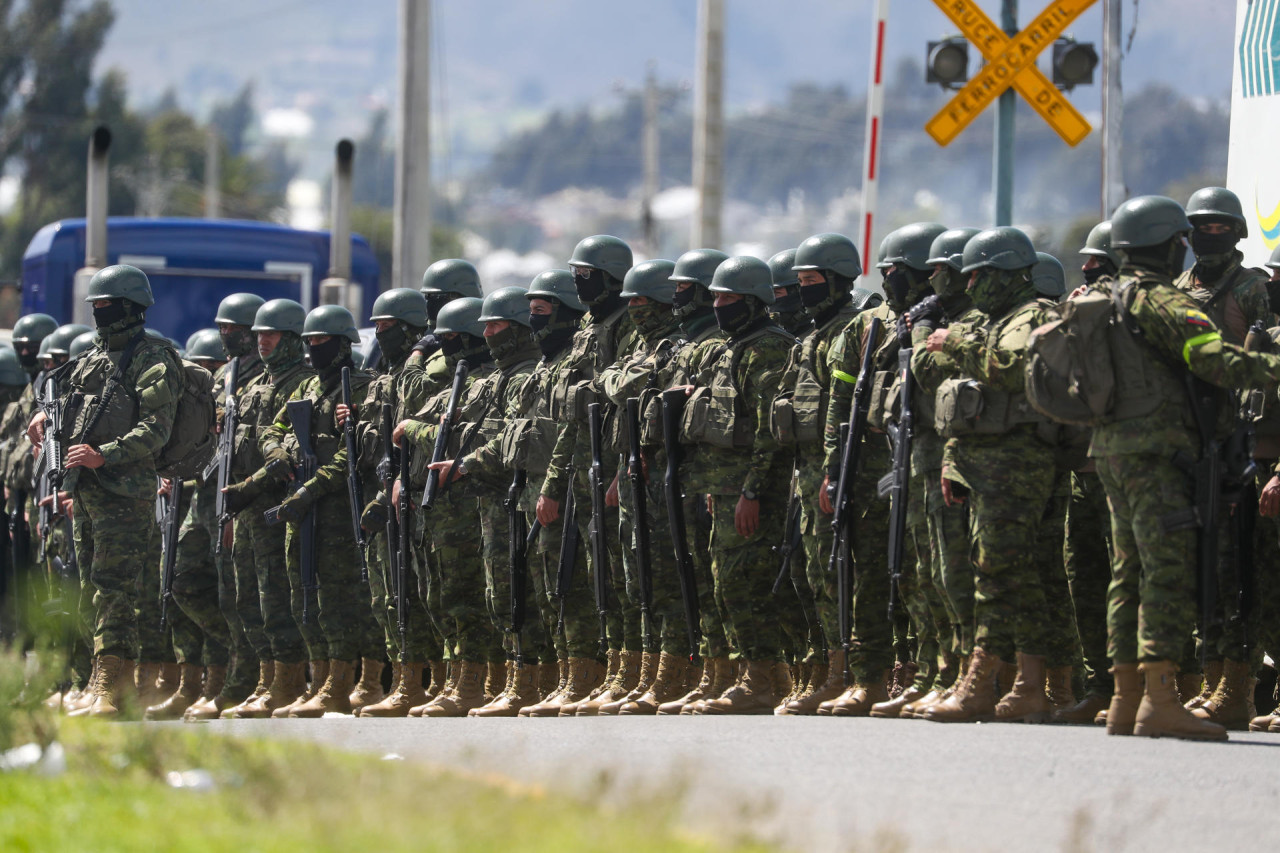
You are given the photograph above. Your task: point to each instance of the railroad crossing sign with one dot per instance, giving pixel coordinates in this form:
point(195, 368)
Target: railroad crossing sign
point(1010, 62)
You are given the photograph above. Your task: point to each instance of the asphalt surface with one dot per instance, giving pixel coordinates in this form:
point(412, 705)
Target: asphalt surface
point(811, 783)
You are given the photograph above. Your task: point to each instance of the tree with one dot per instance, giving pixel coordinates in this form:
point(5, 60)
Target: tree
point(233, 119)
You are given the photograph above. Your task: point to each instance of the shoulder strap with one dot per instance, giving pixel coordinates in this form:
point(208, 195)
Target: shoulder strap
point(1225, 288)
point(113, 383)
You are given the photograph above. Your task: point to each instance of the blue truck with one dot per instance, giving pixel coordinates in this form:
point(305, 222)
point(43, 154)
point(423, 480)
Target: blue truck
point(192, 265)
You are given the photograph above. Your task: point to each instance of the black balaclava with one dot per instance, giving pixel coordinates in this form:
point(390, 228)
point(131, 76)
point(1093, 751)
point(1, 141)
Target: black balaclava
point(239, 341)
point(397, 340)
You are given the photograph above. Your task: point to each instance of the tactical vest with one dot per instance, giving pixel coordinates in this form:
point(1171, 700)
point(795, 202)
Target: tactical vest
point(89, 377)
point(259, 404)
point(811, 392)
point(716, 414)
point(592, 350)
point(528, 440)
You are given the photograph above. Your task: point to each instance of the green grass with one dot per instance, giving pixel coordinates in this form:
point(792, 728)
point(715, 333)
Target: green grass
point(286, 796)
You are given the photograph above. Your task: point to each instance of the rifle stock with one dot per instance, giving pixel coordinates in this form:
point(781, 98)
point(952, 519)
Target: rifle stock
point(640, 511)
point(447, 423)
point(672, 410)
point(355, 489)
point(596, 530)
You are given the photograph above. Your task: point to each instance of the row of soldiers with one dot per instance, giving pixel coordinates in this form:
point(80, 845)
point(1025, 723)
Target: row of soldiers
point(674, 470)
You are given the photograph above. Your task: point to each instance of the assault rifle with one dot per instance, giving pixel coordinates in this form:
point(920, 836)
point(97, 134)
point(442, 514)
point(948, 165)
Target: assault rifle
point(793, 538)
point(49, 465)
point(171, 522)
point(896, 484)
point(518, 555)
point(222, 460)
point(403, 554)
point(596, 530)
point(672, 410)
point(355, 489)
point(299, 412)
point(640, 511)
point(850, 454)
point(568, 549)
point(447, 423)
point(388, 467)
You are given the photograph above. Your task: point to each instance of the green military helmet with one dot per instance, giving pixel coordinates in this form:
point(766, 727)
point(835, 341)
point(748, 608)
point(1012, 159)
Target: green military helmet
point(462, 317)
point(280, 315)
point(1002, 248)
point(603, 252)
point(331, 320)
point(1098, 243)
point(1274, 261)
point(239, 309)
point(834, 252)
point(863, 299)
point(744, 275)
point(59, 341)
point(401, 303)
point(557, 285)
point(82, 343)
point(652, 279)
point(206, 345)
point(1147, 220)
point(1217, 203)
point(452, 275)
point(780, 267)
point(43, 351)
point(910, 245)
point(11, 372)
point(505, 303)
point(33, 328)
point(121, 281)
point(948, 247)
point(156, 334)
point(1048, 276)
point(698, 266)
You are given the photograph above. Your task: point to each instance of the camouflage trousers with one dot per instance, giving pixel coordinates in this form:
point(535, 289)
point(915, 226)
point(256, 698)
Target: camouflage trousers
point(114, 536)
point(711, 612)
point(264, 589)
point(615, 629)
point(871, 646)
point(534, 641)
point(200, 634)
point(1087, 556)
point(155, 644)
point(1151, 606)
point(920, 589)
point(579, 638)
point(421, 640)
point(1011, 482)
point(457, 531)
point(666, 622)
point(742, 569)
point(1061, 642)
point(817, 538)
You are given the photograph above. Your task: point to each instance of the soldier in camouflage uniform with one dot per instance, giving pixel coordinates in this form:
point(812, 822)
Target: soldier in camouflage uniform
point(1266, 610)
point(111, 472)
point(599, 264)
point(1151, 601)
point(728, 417)
point(787, 309)
point(457, 561)
point(1003, 461)
point(200, 634)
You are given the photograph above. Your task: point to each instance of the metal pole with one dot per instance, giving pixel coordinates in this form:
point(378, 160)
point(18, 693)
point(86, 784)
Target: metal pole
point(650, 145)
point(871, 147)
point(1002, 171)
point(212, 176)
point(1113, 187)
point(708, 124)
point(411, 240)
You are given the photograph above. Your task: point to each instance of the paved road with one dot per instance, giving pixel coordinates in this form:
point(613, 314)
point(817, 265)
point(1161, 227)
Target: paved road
point(827, 785)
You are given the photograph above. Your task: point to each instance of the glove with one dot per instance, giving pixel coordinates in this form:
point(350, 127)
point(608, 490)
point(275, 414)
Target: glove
point(904, 333)
point(297, 505)
point(240, 495)
point(928, 314)
point(427, 344)
point(375, 516)
point(278, 464)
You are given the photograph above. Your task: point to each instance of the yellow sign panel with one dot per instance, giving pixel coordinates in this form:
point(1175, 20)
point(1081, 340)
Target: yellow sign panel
point(1010, 62)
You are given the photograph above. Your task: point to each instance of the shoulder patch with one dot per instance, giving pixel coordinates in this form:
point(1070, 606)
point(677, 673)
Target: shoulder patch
point(1197, 318)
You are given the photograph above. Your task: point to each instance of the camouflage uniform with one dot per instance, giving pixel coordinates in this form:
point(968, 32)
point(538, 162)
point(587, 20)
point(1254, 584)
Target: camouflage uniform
point(200, 633)
point(1087, 555)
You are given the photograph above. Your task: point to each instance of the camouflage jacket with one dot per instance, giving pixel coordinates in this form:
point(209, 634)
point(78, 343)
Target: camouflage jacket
point(259, 401)
point(844, 360)
point(1236, 300)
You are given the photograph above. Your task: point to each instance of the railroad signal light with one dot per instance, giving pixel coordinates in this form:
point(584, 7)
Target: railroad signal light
point(1073, 63)
point(947, 62)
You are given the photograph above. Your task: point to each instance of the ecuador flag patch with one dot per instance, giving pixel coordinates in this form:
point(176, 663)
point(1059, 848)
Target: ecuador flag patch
point(1198, 318)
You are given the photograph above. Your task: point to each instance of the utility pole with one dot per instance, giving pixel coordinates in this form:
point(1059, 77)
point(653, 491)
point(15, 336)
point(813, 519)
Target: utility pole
point(871, 147)
point(650, 152)
point(212, 176)
point(1113, 186)
point(411, 240)
point(708, 125)
point(1002, 169)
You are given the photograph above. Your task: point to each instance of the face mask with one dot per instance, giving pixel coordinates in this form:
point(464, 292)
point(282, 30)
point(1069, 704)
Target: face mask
point(28, 358)
point(1177, 256)
point(650, 318)
point(325, 354)
point(1093, 274)
point(110, 315)
point(789, 304)
point(451, 345)
point(591, 288)
point(897, 288)
point(734, 317)
point(946, 282)
point(239, 342)
point(287, 351)
point(538, 325)
point(813, 295)
point(436, 301)
point(394, 342)
point(506, 342)
point(684, 298)
point(1207, 246)
point(987, 290)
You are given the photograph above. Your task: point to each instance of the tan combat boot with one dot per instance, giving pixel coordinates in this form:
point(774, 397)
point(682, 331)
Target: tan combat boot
point(1123, 708)
point(439, 674)
point(784, 681)
point(1231, 704)
point(1058, 687)
point(85, 697)
point(1160, 714)
point(1083, 712)
point(368, 690)
point(1190, 684)
point(397, 672)
point(1212, 675)
point(111, 688)
point(974, 698)
point(449, 681)
point(170, 677)
point(187, 694)
point(468, 692)
point(799, 681)
point(288, 684)
point(407, 695)
point(829, 688)
point(1026, 701)
point(146, 680)
point(251, 706)
point(624, 681)
point(551, 678)
point(893, 707)
point(725, 677)
point(753, 694)
point(583, 677)
point(648, 671)
point(319, 675)
point(612, 668)
point(521, 691)
point(668, 685)
point(858, 699)
point(334, 697)
point(509, 673)
point(695, 693)
point(208, 706)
